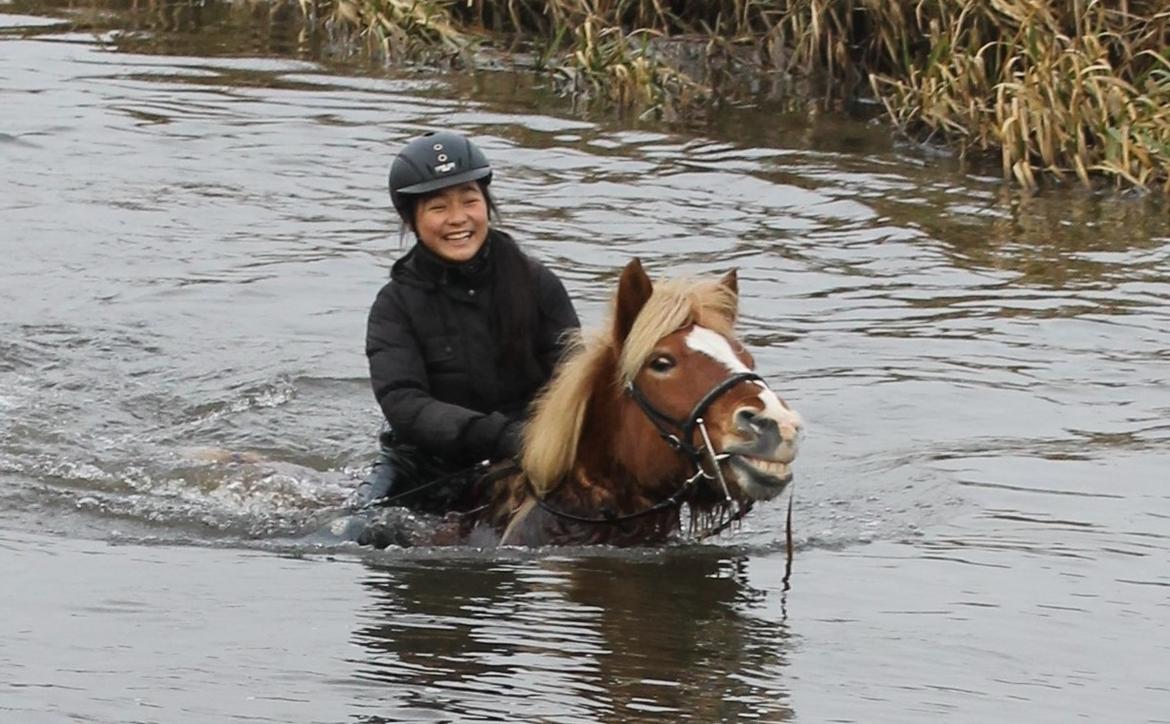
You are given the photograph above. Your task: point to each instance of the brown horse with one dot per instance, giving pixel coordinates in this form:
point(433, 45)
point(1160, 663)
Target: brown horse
point(658, 410)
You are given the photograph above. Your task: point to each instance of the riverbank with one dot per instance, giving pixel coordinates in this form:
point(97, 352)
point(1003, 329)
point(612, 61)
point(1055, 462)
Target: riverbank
point(1059, 92)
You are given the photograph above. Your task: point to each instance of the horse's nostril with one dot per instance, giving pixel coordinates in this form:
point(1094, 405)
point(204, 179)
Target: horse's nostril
point(745, 419)
point(751, 421)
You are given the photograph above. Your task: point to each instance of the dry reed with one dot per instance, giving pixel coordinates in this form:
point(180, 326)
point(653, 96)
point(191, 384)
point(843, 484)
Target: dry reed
point(1077, 89)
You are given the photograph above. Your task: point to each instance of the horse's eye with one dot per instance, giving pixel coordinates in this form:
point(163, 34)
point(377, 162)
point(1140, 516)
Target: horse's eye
point(662, 363)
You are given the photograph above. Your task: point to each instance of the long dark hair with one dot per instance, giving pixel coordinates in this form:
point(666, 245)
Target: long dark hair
point(516, 303)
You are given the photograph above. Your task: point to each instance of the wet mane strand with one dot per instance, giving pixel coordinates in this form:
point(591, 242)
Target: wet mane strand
point(554, 430)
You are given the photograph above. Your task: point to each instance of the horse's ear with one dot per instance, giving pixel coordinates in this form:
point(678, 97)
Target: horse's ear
point(634, 289)
point(731, 281)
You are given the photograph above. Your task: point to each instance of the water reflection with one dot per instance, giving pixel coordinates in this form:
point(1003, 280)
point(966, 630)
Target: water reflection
point(1059, 241)
point(186, 27)
point(671, 634)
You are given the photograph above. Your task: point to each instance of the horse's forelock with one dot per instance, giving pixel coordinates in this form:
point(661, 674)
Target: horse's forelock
point(673, 305)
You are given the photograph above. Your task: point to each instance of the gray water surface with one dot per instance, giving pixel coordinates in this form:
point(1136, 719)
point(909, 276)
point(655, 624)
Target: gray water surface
point(191, 234)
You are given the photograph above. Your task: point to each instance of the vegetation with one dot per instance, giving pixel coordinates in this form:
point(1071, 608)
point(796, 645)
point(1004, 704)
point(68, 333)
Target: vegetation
point(1058, 89)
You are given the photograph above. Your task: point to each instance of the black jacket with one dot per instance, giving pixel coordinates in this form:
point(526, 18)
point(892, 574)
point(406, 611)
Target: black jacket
point(435, 360)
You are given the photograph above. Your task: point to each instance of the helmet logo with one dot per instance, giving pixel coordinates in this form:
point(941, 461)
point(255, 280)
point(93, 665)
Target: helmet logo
point(443, 166)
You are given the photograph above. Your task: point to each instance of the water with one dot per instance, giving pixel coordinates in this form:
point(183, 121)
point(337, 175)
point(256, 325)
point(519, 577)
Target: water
point(193, 223)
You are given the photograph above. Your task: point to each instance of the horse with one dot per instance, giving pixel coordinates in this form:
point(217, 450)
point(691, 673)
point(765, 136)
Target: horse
point(658, 409)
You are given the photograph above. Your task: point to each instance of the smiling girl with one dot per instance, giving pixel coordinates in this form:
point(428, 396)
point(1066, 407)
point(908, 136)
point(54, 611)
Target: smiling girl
point(465, 333)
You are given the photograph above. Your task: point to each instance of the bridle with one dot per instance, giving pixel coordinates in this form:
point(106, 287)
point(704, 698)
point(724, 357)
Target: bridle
point(679, 439)
point(682, 442)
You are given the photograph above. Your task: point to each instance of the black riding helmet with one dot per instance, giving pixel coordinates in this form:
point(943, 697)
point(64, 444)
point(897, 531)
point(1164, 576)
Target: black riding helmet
point(434, 161)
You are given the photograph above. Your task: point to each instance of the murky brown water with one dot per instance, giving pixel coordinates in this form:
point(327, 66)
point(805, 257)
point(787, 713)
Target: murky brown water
point(193, 223)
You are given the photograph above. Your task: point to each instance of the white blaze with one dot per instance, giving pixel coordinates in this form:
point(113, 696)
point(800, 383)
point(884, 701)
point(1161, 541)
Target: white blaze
point(716, 346)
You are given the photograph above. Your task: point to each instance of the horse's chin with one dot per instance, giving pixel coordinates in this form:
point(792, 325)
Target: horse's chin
point(758, 478)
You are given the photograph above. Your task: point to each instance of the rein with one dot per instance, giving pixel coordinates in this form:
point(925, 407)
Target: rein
point(671, 501)
point(789, 545)
point(482, 471)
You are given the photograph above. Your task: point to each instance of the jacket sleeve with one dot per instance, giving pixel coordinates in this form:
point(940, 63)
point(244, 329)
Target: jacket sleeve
point(557, 319)
point(399, 377)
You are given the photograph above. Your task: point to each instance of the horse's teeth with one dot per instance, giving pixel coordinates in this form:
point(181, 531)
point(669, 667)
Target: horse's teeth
point(771, 467)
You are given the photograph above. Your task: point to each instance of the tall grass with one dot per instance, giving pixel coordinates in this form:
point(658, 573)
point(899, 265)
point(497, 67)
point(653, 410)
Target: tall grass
point(1078, 89)
point(1070, 88)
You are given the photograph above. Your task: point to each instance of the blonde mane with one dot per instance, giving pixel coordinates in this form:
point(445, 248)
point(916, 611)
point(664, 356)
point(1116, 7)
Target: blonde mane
point(553, 433)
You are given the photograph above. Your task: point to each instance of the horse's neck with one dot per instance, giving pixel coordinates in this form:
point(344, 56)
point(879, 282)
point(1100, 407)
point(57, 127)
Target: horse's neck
point(598, 465)
point(593, 493)
point(605, 482)
point(621, 465)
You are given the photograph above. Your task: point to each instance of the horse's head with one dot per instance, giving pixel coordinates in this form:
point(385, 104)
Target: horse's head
point(690, 385)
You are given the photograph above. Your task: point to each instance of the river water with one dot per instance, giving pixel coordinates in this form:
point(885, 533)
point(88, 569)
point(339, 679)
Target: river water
point(193, 222)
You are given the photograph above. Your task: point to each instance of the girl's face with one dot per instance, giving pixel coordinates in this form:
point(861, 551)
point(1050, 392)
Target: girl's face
point(453, 222)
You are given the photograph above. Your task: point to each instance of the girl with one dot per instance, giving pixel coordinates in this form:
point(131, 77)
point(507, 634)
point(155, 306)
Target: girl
point(462, 337)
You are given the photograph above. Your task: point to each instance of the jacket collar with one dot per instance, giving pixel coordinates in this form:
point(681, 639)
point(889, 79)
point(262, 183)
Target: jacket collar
point(420, 264)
